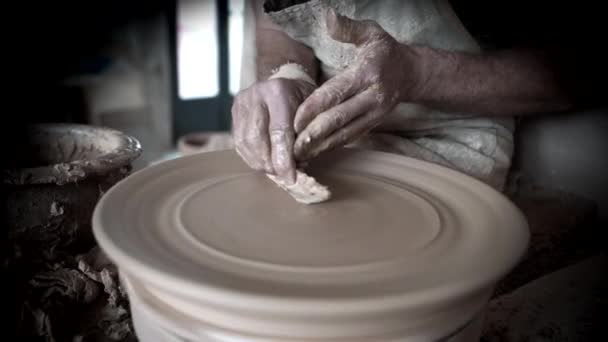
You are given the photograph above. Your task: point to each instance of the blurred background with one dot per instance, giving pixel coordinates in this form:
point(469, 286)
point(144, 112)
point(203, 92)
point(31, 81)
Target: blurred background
point(158, 70)
point(152, 69)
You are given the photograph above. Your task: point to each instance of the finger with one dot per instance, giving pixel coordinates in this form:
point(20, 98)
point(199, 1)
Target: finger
point(352, 131)
point(239, 128)
point(333, 120)
point(346, 30)
point(282, 138)
point(282, 154)
point(255, 142)
point(330, 94)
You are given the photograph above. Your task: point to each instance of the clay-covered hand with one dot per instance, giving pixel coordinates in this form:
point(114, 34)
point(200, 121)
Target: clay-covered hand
point(383, 73)
point(262, 117)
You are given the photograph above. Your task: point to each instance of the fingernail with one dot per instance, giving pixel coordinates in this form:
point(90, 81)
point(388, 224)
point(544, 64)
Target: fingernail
point(291, 176)
point(331, 17)
point(286, 174)
point(332, 12)
point(269, 168)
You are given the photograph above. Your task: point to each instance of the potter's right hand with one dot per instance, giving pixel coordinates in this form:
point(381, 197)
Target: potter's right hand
point(262, 121)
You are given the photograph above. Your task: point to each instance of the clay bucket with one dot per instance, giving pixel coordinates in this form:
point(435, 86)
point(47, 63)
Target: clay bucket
point(56, 176)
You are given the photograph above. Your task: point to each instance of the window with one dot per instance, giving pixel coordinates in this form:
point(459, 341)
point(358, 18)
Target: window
point(236, 12)
point(197, 44)
point(197, 49)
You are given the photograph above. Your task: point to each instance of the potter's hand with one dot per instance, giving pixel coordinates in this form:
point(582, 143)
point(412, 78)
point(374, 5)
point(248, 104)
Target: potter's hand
point(353, 102)
point(262, 117)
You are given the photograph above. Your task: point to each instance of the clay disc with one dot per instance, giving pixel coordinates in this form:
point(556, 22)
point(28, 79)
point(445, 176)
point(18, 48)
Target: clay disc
point(395, 227)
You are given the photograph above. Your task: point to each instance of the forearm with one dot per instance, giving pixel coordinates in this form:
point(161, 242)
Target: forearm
point(506, 83)
point(275, 48)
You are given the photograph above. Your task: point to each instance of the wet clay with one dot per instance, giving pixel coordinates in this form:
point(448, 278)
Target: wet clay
point(55, 176)
point(305, 190)
point(63, 153)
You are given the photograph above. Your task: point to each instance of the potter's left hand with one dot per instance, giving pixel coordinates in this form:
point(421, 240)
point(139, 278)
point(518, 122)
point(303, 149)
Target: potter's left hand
point(383, 73)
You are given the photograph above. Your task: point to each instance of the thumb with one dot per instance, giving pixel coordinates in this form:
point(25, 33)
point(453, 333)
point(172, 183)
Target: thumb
point(346, 30)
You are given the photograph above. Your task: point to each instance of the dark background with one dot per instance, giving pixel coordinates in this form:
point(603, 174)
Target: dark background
point(51, 40)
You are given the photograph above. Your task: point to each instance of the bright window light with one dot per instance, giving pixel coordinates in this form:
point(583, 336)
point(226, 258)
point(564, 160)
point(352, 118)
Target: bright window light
point(235, 42)
point(197, 49)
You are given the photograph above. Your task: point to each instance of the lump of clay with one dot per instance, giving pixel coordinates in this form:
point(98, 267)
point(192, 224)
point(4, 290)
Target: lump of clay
point(305, 190)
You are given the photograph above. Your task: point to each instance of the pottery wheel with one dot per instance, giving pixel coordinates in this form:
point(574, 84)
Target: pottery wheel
point(394, 226)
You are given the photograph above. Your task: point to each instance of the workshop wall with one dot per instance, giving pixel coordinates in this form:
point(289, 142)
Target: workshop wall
point(567, 152)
